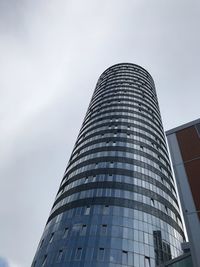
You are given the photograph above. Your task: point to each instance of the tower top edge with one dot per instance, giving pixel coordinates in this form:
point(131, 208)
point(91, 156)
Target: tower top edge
point(125, 64)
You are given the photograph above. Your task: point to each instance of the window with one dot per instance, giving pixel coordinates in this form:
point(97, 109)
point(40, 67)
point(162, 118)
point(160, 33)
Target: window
point(147, 262)
point(124, 257)
point(66, 230)
point(101, 254)
point(103, 230)
point(83, 229)
point(106, 209)
point(60, 254)
point(87, 210)
point(44, 260)
point(41, 243)
point(51, 238)
point(62, 190)
point(146, 238)
point(166, 209)
point(78, 254)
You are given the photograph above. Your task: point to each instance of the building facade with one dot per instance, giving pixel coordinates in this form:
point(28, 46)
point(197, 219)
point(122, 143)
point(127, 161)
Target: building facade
point(116, 205)
point(184, 144)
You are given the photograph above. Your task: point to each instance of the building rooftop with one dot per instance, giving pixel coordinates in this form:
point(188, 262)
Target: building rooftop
point(183, 126)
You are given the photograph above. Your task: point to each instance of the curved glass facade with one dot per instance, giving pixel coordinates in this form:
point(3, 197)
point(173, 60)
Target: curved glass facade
point(116, 205)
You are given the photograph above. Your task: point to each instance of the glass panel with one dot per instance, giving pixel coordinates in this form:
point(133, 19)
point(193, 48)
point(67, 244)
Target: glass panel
point(147, 262)
point(44, 260)
point(103, 229)
point(83, 229)
point(66, 230)
point(101, 254)
point(78, 254)
point(124, 257)
point(60, 254)
point(51, 238)
point(87, 210)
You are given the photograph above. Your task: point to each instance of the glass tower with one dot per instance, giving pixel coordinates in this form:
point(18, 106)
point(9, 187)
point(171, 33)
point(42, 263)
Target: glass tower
point(116, 205)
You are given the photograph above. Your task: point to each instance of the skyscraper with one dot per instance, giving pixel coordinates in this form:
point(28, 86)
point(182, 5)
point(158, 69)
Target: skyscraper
point(116, 205)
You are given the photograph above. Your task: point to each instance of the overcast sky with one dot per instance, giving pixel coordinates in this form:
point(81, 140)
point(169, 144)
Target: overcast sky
point(51, 55)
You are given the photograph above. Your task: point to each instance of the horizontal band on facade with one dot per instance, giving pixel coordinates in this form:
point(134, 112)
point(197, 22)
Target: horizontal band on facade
point(138, 100)
point(120, 110)
point(127, 74)
point(128, 125)
point(116, 139)
point(121, 90)
point(134, 86)
point(117, 202)
point(121, 172)
point(106, 94)
point(136, 106)
point(116, 149)
point(125, 78)
point(122, 186)
point(122, 160)
point(158, 137)
point(141, 99)
point(128, 140)
point(122, 113)
point(114, 159)
point(136, 94)
point(133, 91)
point(104, 115)
point(124, 90)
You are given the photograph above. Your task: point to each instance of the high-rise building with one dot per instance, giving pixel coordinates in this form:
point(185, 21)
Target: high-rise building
point(184, 144)
point(116, 205)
